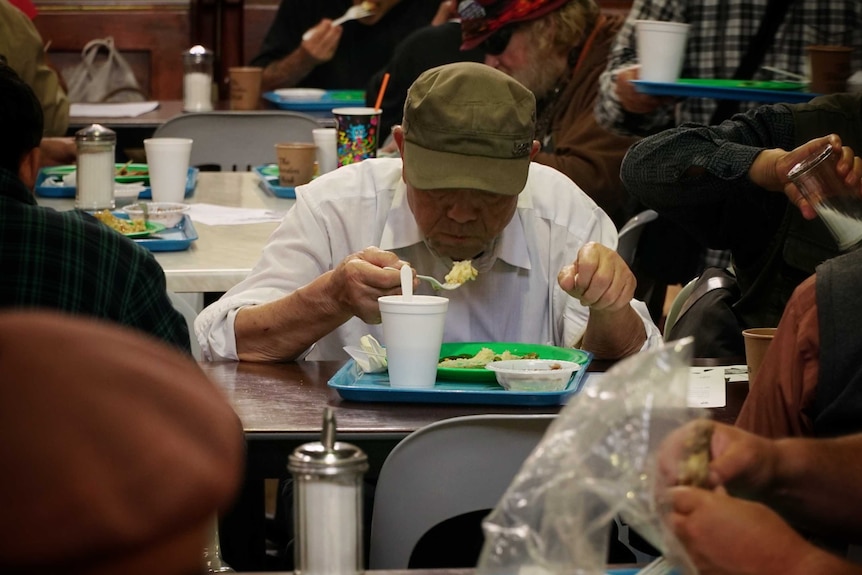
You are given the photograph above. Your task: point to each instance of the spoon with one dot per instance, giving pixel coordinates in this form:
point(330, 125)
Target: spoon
point(435, 283)
point(353, 13)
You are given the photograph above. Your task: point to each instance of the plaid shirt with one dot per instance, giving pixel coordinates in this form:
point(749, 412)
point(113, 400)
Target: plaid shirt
point(718, 38)
point(69, 261)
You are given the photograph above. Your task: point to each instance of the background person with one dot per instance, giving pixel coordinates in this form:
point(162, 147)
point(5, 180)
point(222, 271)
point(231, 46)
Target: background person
point(719, 37)
point(726, 185)
point(335, 57)
point(810, 382)
point(118, 453)
point(465, 189)
point(558, 49)
point(762, 492)
point(68, 261)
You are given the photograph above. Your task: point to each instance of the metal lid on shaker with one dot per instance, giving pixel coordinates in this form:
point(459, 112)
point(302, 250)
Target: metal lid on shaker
point(328, 456)
point(96, 133)
point(197, 54)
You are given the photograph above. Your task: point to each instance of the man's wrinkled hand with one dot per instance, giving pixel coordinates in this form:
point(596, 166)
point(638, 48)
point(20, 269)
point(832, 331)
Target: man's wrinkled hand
point(360, 279)
point(599, 279)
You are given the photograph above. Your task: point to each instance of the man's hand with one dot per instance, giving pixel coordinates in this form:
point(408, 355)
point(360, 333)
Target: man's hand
point(321, 42)
point(56, 151)
point(633, 101)
point(848, 168)
point(741, 462)
point(599, 278)
point(360, 279)
point(725, 535)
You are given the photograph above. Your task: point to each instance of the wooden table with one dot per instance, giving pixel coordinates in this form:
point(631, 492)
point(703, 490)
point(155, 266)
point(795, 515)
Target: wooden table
point(281, 407)
point(222, 256)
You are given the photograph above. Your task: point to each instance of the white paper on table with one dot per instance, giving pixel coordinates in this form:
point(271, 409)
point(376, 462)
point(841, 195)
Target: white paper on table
point(706, 387)
point(213, 215)
point(112, 109)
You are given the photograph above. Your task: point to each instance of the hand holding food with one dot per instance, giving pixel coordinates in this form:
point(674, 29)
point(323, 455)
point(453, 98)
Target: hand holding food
point(359, 279)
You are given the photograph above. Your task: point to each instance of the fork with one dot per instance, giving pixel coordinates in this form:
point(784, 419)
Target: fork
point(435, 283)
point(355, 12)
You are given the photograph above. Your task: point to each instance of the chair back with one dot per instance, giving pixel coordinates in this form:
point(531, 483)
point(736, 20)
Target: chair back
point(676, 305)
point(443, 470)
point(189, 313)
point(630, 235)
point(235, 141)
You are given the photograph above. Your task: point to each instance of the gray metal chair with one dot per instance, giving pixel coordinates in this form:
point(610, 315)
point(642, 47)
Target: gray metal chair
point(630, 234)
point(443, 470)
point(236, 141)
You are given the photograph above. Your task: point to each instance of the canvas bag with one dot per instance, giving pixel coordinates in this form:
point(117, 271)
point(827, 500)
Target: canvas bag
point(102, 76)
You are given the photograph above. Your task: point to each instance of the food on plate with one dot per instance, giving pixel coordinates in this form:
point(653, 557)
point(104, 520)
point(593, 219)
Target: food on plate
point(481, 359)
point(694, 467)
point(461, 272)
point(121, 225)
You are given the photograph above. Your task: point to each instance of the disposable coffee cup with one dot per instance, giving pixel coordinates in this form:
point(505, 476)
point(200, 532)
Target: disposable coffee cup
point(756, 341)
point(661, 49)
point(168, 167)
point(412, 335)
point(830, 68)
point(295, 163)
point(358, 131)
point(326, 140)
point(244, 85)
point(836, 203)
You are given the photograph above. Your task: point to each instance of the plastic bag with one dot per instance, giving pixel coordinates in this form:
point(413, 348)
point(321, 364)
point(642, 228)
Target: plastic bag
point(102, 79)
point(596, 461)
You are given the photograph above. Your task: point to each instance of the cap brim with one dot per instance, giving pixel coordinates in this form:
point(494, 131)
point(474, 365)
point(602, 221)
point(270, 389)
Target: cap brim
point(428, 169)
point(469, 44)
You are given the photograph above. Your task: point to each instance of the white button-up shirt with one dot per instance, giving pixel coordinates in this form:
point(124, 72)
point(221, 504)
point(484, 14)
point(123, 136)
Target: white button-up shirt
point(515, 298)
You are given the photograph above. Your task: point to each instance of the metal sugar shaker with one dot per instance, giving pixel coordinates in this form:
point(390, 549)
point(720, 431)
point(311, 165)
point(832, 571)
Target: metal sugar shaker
point(328, 504)
point(95, 168)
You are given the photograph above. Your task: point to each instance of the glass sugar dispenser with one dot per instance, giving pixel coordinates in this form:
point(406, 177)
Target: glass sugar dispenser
point(94, 178)
point(198, 79)
point(328, 504)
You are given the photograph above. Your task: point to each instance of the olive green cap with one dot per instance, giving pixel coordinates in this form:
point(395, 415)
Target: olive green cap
point(468, 125)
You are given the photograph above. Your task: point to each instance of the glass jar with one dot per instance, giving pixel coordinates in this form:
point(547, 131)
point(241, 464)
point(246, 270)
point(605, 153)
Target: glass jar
point(94, 187)
point(327, 489)
point(197, 79)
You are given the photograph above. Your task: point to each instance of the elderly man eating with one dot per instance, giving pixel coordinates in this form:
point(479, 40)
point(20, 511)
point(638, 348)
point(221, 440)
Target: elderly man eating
point(464, 188)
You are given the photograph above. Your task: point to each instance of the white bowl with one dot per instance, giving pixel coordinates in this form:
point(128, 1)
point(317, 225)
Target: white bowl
point(534, 374)
point(167, 213)
point(300, 94)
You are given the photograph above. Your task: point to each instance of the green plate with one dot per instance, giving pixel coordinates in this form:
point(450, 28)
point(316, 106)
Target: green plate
point(751, 84)
point(482, 374)
point(152, 228)
point(63, 170)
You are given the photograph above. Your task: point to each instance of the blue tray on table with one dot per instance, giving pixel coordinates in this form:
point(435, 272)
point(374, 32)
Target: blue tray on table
point(746, 90)
point(176, 239)
point(47, 191)
point(354, 385)
point(268, 174)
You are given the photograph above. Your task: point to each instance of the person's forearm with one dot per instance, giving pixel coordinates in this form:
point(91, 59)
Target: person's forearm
point(283, 329)
point(816, 485)
point(612, 335)
point(289, 71)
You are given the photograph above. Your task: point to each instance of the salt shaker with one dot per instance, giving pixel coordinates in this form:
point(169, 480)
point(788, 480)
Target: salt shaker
point(95, 169)
point(328, 504)
point(197, 79)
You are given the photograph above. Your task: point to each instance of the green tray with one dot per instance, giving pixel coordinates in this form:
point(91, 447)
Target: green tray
point(481, 374)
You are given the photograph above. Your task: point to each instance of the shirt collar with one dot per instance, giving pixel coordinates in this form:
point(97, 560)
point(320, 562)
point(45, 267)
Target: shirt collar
point(401, 231)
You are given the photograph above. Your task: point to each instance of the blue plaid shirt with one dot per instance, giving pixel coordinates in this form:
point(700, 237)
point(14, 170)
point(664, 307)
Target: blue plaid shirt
point(68, 261)
point(718, 38)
